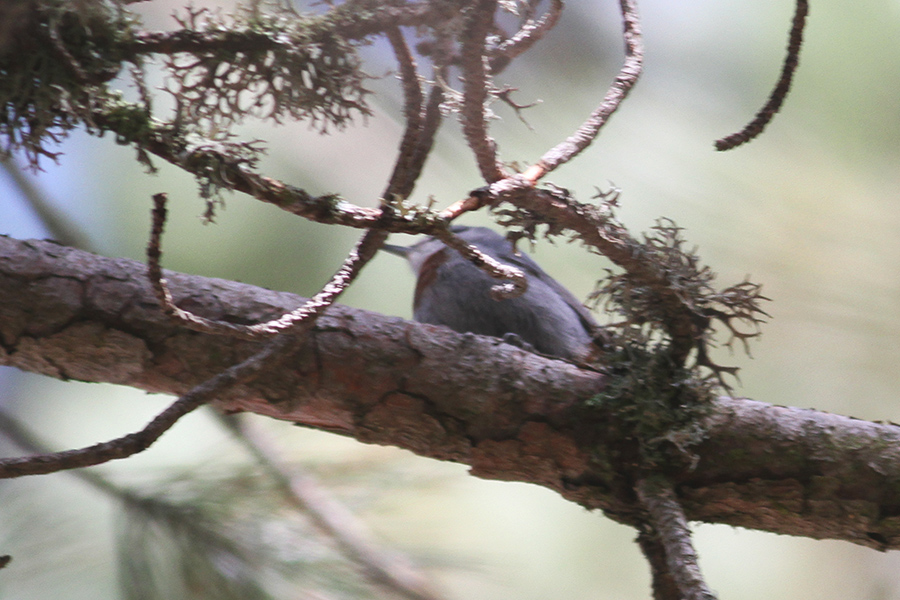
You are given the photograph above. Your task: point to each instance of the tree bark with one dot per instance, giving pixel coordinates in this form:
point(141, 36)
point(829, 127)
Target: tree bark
point(507, 413)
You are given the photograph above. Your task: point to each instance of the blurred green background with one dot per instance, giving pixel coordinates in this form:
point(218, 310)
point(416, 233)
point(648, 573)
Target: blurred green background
point(811, 210)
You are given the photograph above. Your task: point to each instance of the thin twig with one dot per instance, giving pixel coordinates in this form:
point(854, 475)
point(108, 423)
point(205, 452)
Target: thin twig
point(505, 95)
point(621, 86)
point(474, 201)
point(191, 154)
point(478, 22)
point(402, 179)
point(308, 313)
point(386, 567)
point(133, 443)
point(670, 528)
point(237, 175)
point(516, 284)
point(782, 88)
point(27, 440)
point(431, 116)
point(531, 32)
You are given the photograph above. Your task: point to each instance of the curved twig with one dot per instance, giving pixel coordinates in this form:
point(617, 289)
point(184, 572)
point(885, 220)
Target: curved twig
point(404, 176)
point(621, 86)
point(475, 89)
point(780, 92)
point(431, 116)
point(530, 33)
point(306, 314)
point(139, 441)
point(517, 282)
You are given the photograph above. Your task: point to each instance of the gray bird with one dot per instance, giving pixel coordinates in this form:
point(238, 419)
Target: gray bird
point(451, 291)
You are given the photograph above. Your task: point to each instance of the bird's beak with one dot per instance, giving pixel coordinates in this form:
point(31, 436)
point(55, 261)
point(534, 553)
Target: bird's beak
point(398, 250)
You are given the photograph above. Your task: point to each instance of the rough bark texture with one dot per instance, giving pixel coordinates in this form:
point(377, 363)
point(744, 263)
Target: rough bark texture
point(509, 414)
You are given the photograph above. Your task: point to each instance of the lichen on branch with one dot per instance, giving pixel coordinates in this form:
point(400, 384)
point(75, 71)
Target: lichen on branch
point(55, 57)
point(264, 65)
point(646, 315)
point(57, 60)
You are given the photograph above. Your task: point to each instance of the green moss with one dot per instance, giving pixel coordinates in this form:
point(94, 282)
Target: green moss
point(129, 121)
point(659, 402)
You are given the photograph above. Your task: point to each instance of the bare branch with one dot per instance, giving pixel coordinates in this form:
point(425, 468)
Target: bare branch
point(431, 122)
point(205, 157)
point(431, 116)
point(666, 517)
point(663, 584)
point(517, 284)
point(782, 88)
point(476, 200)
point(529, 34)
point(478, 23)
point(621, 86)
point(405, 174)
point(210, 158)
point(139, 441)
point(309, 312)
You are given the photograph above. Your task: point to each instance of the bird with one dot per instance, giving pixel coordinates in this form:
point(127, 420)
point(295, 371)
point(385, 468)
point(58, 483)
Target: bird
point(453, 292)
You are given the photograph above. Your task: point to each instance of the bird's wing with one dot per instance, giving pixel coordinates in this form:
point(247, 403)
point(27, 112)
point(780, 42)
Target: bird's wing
point(524, 262)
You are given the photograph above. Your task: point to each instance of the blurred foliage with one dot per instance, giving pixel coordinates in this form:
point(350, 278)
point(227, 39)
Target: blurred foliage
point(223, 538)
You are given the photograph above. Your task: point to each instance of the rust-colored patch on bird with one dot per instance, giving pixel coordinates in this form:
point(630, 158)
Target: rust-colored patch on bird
point(428, 273)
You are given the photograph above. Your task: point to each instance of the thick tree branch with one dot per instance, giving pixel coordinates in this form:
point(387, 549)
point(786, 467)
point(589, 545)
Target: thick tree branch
point(508, 413)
